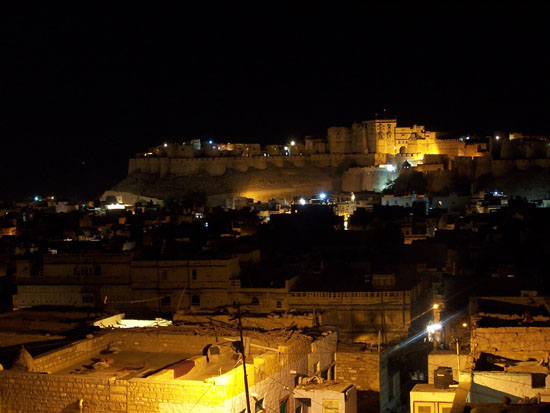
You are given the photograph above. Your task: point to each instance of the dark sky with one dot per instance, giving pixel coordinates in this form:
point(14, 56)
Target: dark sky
point(96, 85)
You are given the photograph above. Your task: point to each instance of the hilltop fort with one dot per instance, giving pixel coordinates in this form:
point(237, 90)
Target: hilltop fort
point(364, 156)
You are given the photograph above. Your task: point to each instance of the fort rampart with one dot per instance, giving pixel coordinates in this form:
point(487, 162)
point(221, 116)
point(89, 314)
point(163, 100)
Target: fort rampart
point(218, 166)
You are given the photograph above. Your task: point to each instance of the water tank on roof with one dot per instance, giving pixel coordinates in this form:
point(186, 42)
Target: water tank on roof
point(443, 377)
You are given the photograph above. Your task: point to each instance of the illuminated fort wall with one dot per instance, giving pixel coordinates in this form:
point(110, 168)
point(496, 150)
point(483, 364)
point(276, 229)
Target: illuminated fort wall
point(219, 166)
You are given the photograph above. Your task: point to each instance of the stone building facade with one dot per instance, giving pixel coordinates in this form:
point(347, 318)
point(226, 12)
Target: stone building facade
point(121, 282)
point(168, 370)
point(383, 136)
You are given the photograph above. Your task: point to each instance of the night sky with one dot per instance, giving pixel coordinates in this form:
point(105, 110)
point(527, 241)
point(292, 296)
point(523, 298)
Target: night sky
point(84, 89)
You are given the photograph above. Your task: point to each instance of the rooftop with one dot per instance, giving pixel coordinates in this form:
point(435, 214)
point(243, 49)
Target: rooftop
point(167, 353)
point(511, 312)
point(430, 388)
point(325, 386)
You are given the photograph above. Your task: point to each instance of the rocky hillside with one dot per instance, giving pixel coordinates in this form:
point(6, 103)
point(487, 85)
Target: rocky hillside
point(262, 184)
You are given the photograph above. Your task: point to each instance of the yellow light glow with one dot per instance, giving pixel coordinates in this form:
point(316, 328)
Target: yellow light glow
point(435, 306)
point(464, 324)
point(292, 143)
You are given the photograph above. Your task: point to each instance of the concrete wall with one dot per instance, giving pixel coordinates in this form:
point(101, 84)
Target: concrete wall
point(346, 402)
point(436, 399)
point(443, 358)
point(490, 387)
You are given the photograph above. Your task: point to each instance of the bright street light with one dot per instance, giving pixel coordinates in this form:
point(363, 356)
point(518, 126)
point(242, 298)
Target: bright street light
point(432, 328)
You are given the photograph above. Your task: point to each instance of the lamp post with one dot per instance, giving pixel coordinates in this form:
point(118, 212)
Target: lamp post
point(437, 318)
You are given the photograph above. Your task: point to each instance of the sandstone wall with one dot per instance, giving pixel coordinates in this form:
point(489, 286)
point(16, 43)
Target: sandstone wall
point(33, 392)
point(218, 166)
point(513, 342)
point(360, 368)
point(269, 376)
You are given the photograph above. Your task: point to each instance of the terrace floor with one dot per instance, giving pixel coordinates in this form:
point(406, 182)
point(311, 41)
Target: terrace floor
point(124, 365)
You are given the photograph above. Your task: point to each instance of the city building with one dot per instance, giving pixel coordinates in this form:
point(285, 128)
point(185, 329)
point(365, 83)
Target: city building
point(181, 370)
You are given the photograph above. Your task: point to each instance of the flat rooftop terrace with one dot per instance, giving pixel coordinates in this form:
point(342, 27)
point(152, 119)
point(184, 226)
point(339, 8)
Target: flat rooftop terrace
point(124, 365)
point(164, 353)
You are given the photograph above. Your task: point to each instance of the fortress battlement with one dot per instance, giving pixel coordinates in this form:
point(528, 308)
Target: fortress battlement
point(164, 166)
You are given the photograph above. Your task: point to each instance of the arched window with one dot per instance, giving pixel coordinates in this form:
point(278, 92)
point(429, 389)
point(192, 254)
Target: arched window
point(255, 301)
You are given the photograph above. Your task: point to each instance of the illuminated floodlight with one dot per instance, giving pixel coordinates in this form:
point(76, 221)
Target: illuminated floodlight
point(467, 138)
point(36, 198)
point(165, 145)
point(292, 143)
point(286, 148)
point(210, 142)
point(435, 306)
point(322, 195)
point(497, 137)
point(352, 197)
point(115, 206)
point(464, 324)
point(432, 328)
point(390, 168)
point(302, 201)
